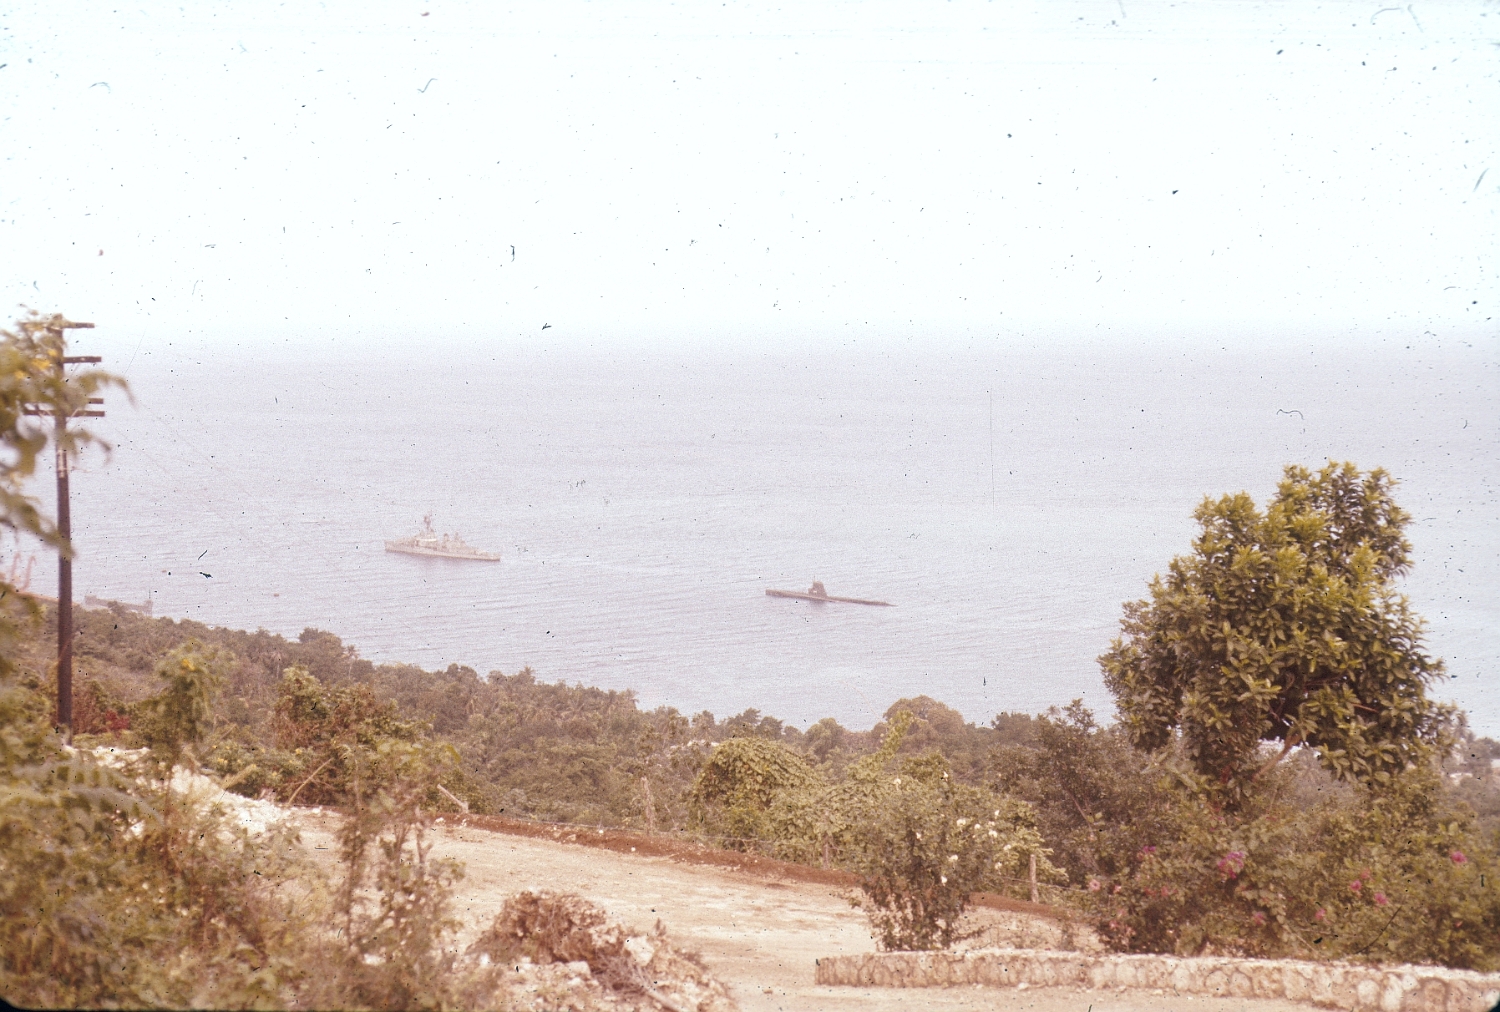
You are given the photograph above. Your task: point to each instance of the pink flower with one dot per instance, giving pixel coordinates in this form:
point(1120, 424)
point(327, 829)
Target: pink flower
point(1231, 864)
point(1259, 918)
point(1093, 885)
point(1357, 885)
point(1380, 899)
point(1320, 914)
point(1148, 851)
point(1458, 857)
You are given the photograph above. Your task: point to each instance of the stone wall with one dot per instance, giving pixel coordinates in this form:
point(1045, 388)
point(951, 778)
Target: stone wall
point(1332, 985)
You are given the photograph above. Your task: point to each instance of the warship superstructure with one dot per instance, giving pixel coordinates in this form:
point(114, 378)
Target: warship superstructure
point(446, 546)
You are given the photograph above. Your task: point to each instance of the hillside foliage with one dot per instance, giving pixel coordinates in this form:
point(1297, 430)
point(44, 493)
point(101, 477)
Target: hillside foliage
point(302, 718)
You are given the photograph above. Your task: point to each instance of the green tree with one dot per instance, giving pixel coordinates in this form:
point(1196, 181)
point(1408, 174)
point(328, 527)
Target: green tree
point(1097, 799)
point(1284, 626)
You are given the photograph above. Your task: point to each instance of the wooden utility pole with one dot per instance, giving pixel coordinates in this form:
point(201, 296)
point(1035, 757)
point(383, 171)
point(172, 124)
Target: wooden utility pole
point(65, 526)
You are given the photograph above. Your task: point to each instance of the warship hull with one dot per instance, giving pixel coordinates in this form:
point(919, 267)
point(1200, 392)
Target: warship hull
point(438, 552)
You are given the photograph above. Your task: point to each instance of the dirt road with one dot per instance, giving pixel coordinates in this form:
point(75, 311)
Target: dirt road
point(760, 936)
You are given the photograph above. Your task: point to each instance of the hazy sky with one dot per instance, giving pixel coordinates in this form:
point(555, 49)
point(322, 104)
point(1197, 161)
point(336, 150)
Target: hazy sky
point(260, 173)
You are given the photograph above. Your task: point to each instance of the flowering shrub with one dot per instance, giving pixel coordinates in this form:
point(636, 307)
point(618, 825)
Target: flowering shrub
point(928, 847)
point(1392, 876)
point(920, 843)
point(1230, 865)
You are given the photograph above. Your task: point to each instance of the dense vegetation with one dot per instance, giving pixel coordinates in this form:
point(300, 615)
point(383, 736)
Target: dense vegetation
point(126, 884)
point(528, 748)
point(1282, 635)
point(1124, 834)
point(1306, 866)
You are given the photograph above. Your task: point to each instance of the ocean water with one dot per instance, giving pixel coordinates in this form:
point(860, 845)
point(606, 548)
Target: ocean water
point(1006, 503)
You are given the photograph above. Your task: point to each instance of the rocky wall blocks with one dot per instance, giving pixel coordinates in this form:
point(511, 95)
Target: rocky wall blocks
point(1352, 986)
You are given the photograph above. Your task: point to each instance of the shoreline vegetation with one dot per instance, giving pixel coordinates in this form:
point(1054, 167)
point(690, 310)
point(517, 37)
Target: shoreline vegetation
point(547, 752)
point(565, 758)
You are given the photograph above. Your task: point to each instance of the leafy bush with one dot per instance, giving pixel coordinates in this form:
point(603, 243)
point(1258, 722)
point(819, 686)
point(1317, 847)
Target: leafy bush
point(1163, 869)
point(394, 903)
point(1098, 800)
point(116, 889)
point(180, 715)
point(756, 794)
point(1395, 876)
point(920, 842)
point(97, 711)
point(738, 785)
point(927, 846)
point(122, 884)
point(332, 745)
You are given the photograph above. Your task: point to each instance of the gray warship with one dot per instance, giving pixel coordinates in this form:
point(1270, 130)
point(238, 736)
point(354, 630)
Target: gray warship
point(447, 546)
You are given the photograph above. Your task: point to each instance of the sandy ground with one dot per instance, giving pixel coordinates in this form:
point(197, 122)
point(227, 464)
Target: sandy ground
point(761, 937)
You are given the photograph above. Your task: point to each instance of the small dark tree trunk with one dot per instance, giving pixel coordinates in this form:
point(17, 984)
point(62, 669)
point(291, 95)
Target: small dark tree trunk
point(650, 807)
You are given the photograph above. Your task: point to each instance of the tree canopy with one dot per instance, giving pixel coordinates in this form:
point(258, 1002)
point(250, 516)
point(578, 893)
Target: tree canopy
point(1284, 625)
